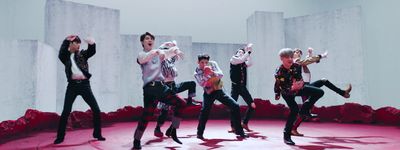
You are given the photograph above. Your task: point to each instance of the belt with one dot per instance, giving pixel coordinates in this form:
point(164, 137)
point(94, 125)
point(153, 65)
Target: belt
point(155, 83)
point(234, 83)
point(79, 81)
point(169, 82)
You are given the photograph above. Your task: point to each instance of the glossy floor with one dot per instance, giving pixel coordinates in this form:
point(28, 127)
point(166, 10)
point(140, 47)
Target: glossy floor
point(267, 134)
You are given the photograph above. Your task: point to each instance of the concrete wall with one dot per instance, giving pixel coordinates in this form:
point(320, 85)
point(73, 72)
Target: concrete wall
point(339, 32)
point(27, 77)
point(46, 78)
point(64, 18)
point(266, 31)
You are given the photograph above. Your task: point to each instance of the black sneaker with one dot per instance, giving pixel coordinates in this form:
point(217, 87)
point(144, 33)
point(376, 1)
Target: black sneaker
point(200, 136)
point(157, 132)
point(136, 144)
point(287, 139)
point(58, 140)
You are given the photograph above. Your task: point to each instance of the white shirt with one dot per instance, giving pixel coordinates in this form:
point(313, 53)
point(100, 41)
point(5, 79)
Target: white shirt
point(76, 72)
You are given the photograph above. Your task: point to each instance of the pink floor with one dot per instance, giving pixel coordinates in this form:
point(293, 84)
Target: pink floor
point(267, 134)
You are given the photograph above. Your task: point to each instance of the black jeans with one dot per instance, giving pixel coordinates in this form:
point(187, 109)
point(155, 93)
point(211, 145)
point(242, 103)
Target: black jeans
point(177, 88)
point(327, 83)
point(208, 101)
point(152, 93)
point(319, 84)
point(242, 91)
point(73, 90)
point(313, 92)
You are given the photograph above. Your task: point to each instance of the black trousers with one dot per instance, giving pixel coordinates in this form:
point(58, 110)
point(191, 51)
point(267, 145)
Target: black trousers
point(190, 86)
point(161, 92)
point(73, 90)
point(327, 83)
point(242, 91)
point(313, 92)
point(319, 84)
point(208, 101)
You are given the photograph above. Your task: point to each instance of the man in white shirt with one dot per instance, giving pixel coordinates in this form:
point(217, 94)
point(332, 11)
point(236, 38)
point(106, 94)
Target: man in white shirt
point(154, 87)
point(238, 74)
point(77, 72)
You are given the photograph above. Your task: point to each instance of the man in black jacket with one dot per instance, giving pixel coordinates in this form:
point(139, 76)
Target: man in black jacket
point(289, 83)
point(77, 72)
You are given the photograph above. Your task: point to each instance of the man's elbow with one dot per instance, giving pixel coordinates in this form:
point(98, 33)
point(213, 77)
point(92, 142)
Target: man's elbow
point(60, 56)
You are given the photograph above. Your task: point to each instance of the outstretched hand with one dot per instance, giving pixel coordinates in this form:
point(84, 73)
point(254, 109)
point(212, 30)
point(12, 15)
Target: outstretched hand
point(253, 105)
point(297, 85)
point(325, 54)
point(167, 45)
point(248, 47)
point(310, 51)
point(277, 96)
point(90, 40)
point(180, 54)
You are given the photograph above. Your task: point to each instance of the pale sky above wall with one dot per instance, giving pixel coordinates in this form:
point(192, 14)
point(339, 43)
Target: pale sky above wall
point(222, 21)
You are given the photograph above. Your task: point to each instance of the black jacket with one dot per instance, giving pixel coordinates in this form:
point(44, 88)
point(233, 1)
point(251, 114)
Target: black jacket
point(81, 58)
point(284, 79)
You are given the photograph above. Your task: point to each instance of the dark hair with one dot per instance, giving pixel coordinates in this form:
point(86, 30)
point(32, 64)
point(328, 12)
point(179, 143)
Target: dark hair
point(144, 36)
point(240, 49)
point(298, 50)
point(77, 40)
point(203, 56)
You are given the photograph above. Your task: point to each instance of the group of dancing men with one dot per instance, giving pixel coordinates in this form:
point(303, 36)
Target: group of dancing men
point(160, 88)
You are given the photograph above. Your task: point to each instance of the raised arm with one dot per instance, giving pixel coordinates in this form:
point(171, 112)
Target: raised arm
point(145, 57)
point(64, 54)
point(171, 52)
point(249, 62)
point(309, 60)
point(239, 59)
point(215, 68)
point(91, 48)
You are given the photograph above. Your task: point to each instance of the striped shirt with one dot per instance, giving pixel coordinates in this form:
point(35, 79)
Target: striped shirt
point(168, 68)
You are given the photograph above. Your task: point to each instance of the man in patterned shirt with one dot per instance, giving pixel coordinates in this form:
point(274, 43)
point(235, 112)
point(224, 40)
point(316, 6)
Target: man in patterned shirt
point(208, 75)
point(289, 83)
point(154, 87)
